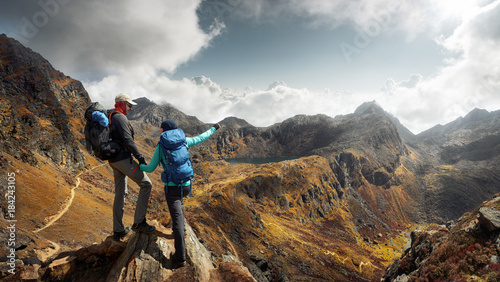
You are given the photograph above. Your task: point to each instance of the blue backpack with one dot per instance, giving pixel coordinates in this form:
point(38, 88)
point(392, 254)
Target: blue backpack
point(174, 157)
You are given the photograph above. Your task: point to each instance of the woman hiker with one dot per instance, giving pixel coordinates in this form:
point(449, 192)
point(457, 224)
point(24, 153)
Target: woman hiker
point(172, 152)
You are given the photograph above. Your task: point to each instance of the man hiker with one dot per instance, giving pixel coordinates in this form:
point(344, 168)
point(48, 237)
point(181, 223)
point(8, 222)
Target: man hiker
point(172, 152)
point(124, 166)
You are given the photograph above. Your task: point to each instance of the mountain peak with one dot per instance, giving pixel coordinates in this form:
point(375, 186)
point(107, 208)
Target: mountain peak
point(369, 107)
point(144, 101)
point(475, 119)
point(235, 122)
point(476, 115)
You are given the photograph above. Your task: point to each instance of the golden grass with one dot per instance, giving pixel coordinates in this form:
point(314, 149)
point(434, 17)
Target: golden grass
point(311, 241)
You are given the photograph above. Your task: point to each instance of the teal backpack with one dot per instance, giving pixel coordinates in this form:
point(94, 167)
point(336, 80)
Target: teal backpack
point(174, 157)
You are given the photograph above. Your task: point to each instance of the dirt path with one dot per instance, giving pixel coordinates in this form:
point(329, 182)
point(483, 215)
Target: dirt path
point(46, 254)
point(67, 204)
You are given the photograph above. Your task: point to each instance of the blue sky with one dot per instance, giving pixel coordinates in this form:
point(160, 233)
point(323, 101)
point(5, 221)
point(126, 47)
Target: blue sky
point(426, 62)
point(250, 53)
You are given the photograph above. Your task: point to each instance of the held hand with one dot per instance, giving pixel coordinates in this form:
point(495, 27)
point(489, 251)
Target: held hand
point(217, 126)
point(142, 161)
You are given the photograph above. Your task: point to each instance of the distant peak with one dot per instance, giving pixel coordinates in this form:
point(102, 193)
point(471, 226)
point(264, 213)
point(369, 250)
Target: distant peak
point(369, 107)
point(235, 122)
point(144, 101)
point(476, 115)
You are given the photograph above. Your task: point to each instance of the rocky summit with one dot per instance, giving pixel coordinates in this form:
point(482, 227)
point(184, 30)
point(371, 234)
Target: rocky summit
point(355, 197)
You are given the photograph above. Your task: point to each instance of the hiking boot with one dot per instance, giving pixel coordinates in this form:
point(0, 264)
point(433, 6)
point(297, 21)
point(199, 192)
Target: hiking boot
point(176, 263)
point(117, 236)
point(143, 227)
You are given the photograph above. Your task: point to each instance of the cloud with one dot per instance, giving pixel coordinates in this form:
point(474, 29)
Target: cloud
point(276, 84)
point(206, 100)
point(470, 79)
point(208, 83)
point(413, 17)
point(391, 85)
point(92, 39)
point(124, 46)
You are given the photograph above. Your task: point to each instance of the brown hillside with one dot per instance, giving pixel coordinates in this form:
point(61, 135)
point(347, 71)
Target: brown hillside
point(292, 218)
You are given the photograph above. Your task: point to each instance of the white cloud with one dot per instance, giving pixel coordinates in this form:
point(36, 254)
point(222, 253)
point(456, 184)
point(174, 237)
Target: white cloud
point(391, 86)
point(276, 84)
point(468, 81)
point(126, 46)
point(206, 100)
point(207, 82)
point(93, 39)
point(363, 15)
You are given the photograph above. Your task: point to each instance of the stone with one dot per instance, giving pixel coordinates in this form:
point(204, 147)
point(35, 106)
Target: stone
point(200, 257)
point(146, 257)
point(62, 267)
point(30, 272)
point(490, 218)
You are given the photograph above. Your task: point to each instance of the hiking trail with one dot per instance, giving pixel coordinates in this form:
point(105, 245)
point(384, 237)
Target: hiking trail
point(67, 203)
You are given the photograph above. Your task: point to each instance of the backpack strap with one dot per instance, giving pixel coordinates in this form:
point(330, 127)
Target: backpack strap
point(162, 157)
point(109, 117)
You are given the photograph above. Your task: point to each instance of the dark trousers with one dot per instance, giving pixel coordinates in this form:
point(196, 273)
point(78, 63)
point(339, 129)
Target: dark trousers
point(176, 209)
point(129, 169)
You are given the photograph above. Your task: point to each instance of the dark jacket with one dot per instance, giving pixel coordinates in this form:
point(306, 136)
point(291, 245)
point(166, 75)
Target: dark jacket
point(123, 134)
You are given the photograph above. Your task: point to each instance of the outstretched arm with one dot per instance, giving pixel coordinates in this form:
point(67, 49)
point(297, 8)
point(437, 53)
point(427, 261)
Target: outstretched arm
point(191, 141)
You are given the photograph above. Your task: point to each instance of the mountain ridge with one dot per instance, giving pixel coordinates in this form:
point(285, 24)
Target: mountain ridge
point(29, 103)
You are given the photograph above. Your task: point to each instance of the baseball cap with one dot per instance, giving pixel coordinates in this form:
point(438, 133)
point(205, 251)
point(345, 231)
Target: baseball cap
point(122, 97)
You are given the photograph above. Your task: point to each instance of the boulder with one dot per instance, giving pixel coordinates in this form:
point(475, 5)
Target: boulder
point(146, 257)
point(489, 217)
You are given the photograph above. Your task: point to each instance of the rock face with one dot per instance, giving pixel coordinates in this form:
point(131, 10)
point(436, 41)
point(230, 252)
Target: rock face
point(140, 257)
point(41, 108)
point(468, 250)
point(461, 164)
point(148, 257)
point(145, 257)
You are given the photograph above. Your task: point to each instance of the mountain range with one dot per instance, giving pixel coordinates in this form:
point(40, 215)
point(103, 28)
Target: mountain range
point(341, 207)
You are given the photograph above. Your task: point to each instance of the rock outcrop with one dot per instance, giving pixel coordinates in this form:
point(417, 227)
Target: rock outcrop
point(41, 108)
point(148, 257)
point(461, 164)
point(138, 257)
point(467, 250)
